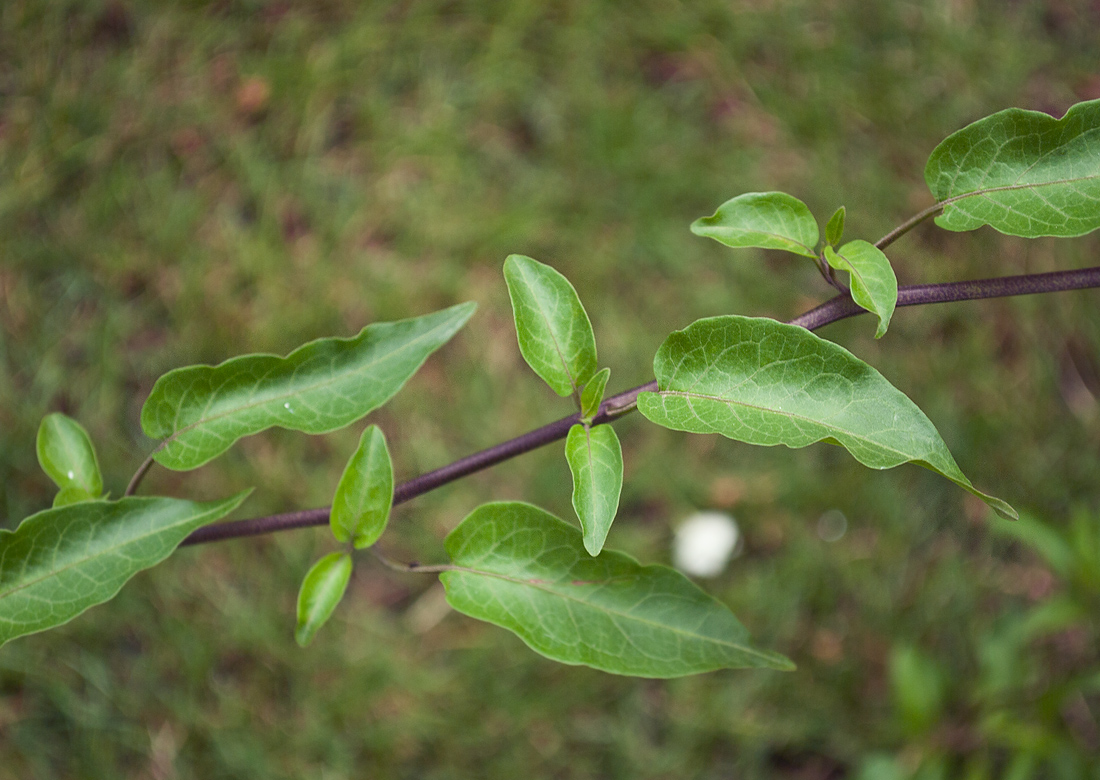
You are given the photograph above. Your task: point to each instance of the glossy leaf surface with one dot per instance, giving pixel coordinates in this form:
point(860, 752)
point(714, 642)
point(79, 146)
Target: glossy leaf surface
point(764, 382)
point(834, 230)
point(322, 589)
point(554, 332)
point(596, 462)
point(1023, 172)
point(59, 562)
point(592, 395)
point(200, 411)
point(66, 454)
point(361, 505)
point(766, 220)
point(874, 285)
point(527, 571)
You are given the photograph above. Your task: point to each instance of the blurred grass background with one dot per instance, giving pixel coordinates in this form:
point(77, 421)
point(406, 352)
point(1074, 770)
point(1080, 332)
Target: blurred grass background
point(182, 182)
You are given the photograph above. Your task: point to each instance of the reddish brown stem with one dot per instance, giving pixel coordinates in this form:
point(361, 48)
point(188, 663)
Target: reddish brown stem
point(838, 308)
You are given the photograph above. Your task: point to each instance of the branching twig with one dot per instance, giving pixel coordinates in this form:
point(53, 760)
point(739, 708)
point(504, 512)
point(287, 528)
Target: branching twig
point(838, 308)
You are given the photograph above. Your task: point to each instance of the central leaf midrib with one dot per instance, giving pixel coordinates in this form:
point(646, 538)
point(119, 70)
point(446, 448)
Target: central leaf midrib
point(550, 330)
point(109, 550)
point(685, 394)
point(290, 394)
point(680, 631)
point(778, 236)
point(1008, 187)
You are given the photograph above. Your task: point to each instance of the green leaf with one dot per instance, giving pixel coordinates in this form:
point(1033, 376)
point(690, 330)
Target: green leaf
point(200, 411)
point(361, 506)
point(66, 454)
point(1025, 173)
point(323, 587)
point(555, 335)
point(525, 570)
point(73, 495)
point(768, 220)
point(874, 286)
point(59, 562)
point(835, 229)
point(764, 382)
point(592, 395)
point(596, 461)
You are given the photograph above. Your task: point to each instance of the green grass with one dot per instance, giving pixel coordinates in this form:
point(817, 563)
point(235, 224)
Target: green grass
point(182, 182)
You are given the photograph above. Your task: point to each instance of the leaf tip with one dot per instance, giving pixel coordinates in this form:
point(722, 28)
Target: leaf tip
point(699, 226)
point(303, 635)
point(781, 663)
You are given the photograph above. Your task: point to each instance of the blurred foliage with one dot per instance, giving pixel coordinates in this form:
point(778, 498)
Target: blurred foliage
point(181, 182)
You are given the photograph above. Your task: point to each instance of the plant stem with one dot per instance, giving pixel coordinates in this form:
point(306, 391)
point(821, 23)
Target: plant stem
point(838, 308)
point(412, 567)
point(909, 224)
point(138, 476)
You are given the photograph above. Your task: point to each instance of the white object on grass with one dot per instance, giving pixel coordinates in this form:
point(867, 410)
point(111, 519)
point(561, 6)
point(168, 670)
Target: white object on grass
point(832, 525)
point(704, 544)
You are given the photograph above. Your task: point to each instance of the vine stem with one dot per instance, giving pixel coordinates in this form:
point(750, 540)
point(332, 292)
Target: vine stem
point(838, 308)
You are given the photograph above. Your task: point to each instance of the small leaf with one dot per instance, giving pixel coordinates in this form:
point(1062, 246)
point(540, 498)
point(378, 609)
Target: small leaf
point(596, 462)
point(592, 395)
point(59, 562)
point(767, 220)
point(763, 382)
point(1025, 173)
point(361, 506)
point(874, 286)
point(323, 587)
point(555, 335)
point(72, 495)
point(66, 454)
point(200, 411)
point(527, 571)
point(834, 230)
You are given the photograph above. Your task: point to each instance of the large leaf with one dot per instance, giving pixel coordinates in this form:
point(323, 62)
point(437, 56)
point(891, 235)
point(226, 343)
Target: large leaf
point(59, 562)
point(66, 454)
point(555, 335)
point(1023, 172)
point(361, 505)
point(874, 285)
point(596, 462)
point(764, 382)
point(526, 570)
point(767, 220)
point(323, 587)
point(199, 411)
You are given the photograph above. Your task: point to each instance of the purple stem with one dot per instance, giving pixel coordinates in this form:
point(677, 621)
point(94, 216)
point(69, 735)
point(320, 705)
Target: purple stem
point(838, 308)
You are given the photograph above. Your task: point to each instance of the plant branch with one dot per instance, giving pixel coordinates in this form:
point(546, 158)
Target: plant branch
point(838, 308)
